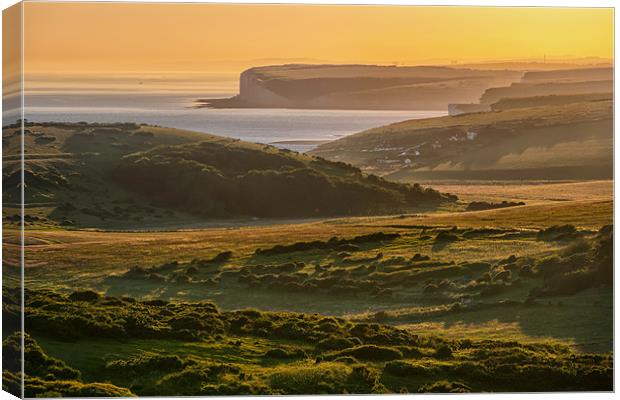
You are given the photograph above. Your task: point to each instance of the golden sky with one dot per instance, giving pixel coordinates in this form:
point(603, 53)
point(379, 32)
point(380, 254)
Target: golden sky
point(108, 37)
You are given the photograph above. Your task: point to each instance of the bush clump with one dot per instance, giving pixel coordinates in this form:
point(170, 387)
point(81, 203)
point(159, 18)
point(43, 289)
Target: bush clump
point(445, 387)
point(406, 369)
point(446, 237)
point(370, 352)
point(558, 233)
point(333, 243)
point(335, 343)
point(483, 205)
point(281, 353)
point(146, 363)
point(86, 295)
point(443, 352)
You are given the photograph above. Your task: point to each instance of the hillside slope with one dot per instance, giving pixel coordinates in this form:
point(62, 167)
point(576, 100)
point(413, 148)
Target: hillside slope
point(545, 87)
point(94, 174)
point(570, 75)
point(570, 141)
point(548, 100)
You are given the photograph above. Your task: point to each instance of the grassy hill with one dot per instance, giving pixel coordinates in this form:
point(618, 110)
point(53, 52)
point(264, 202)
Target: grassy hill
point(545, 88)
point(116, 174)
point(549, 100)
point(571, 75)
point(554, 142)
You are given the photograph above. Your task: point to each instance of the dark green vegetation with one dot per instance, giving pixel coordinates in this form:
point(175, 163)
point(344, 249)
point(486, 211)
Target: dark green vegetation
point(581, 267)
point(176, 348)
point(484, 205)
point(94, 175)
point(332, 244)
point(504, 297)
point(368, 305)
point(555, 142)
point(227, 180)
point(47, 376)
point(149, 330)
point(355, 270)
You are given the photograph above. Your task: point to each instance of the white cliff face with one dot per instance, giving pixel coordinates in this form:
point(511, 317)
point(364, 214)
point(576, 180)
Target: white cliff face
point(346, 87)
point(251, 90)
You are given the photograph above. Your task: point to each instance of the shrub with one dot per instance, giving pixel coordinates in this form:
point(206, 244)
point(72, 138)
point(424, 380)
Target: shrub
point(346, 360)
point(333, 243)
point(502, 275)
point(370, 352)
point(323, 378)
point(443, 352)
point(36, 387)
point(483, 205)
point(407, 369)
point(146, 363)
point(221, 257)
point(445, 387)
point(410, 352)
point(419, 257)
point(578, 246)
point(235, 389)
point(284, 354)
point(187, 382)
point(86, 295)
point(348, 247)
point(445, 237)
point(364, 380)
point(334, 343)
point(36, 362)
point(557, 232)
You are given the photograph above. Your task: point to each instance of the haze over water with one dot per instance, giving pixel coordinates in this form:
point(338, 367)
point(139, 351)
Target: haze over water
point(175, 110)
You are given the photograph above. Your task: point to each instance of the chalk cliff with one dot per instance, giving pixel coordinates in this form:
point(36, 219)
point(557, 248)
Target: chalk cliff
point(361, 87)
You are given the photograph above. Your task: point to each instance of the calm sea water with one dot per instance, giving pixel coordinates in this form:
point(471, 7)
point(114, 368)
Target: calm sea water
point(272, 126)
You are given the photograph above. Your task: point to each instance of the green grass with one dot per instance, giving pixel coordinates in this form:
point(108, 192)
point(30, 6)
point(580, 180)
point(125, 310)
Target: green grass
point(379, 295)
point(404, 280)
point(238, 357)
point(584, 322)
point(93, 355)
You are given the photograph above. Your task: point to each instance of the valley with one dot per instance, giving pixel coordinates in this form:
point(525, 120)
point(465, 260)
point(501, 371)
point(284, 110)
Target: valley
point(164, 261)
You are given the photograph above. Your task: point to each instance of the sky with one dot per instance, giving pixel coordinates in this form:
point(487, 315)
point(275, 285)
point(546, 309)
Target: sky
point(212, 38)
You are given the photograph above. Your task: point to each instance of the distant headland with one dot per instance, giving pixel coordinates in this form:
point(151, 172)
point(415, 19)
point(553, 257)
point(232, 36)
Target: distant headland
point(370, 87)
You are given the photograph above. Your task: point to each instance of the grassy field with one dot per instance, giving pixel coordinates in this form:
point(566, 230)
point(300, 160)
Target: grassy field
point(64, 249)
point(120, 346)
point(70, 260)
point(532, 192)
point(442, 276)
point(438, 300)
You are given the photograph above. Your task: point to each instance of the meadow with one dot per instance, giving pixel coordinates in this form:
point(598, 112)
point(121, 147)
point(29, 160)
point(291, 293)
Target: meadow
point(514, 296)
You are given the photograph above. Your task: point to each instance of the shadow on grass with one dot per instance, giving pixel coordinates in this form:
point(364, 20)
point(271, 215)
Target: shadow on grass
point(589, 326)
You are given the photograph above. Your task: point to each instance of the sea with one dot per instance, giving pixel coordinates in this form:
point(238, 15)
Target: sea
point(298, 130)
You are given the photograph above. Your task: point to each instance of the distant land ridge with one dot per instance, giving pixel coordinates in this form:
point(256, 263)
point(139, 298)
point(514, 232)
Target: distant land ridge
point(371, 87)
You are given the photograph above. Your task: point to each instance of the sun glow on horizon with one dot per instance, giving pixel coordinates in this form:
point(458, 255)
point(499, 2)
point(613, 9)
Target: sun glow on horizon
point(116, 37)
